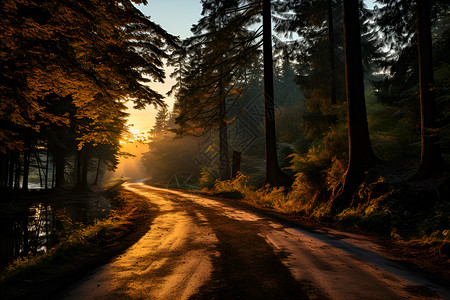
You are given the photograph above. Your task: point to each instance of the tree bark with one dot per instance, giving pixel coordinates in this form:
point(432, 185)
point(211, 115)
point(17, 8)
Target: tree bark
point(17, 172)
point(236, 164)
point(331, 49)
point(430, 158)
point(84, 169)
point(59, 162)
point(26, 169)
point(39, 166)
point(46, 165)
point(224, 164)
point(274, 175)
point(98, 170)
point(78, 168)
point(53, 171)
point(361, 155)
point(2, 171)
point(12, 167)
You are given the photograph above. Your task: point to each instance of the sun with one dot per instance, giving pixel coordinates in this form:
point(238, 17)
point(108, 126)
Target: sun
point(132, 135)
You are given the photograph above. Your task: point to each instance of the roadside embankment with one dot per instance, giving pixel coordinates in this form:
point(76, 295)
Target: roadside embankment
point(81, 248)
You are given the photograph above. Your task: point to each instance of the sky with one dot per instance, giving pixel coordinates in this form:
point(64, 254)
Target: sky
point(176, 17)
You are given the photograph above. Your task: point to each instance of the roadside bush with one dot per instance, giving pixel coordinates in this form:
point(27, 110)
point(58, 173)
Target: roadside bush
point(235, 188)
point(311, 165)
point(372, 217)
point(207, 180)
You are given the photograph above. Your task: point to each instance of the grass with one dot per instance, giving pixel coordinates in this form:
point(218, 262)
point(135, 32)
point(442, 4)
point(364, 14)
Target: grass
point(296, 201)
point(80, 248)
point(76, 237)
point(391, 210)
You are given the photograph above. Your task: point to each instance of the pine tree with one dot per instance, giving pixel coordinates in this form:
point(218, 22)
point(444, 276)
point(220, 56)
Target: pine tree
point(430, 155)
point(274, 175)
point(210, 72)
point(411, 68)
point(161, 120)
point(361, 155)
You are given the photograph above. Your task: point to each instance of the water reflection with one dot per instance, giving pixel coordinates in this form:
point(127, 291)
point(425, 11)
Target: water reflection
point(35, 229)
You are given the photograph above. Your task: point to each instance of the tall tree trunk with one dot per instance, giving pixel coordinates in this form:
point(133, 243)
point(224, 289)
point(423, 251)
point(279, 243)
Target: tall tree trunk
point(59, 162)
point(2, 172)
point(274, 175)
point(53, 171)
point(18, 172)
point(361, 155)
point(46, 165)
point(75, 169)
point(430, 159)
point(6, 170)
point(26, 168)
point(39, 166)
point(98, 170)
point(236, 164)
point(84, 168)
point(12, 167)
point(331, 49)
point(7, 174)
point(224, 164)
point(78, 167)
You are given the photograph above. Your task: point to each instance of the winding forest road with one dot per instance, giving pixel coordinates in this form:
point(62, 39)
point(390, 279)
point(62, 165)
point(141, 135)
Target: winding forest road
point(201, 248)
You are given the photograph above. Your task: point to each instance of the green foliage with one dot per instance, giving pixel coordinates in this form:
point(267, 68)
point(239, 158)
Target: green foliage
point(373, 212)
point(288, 121)
point(335, 174)
point(336, 137)
point(371, 218)
point(393, 138)
point(311, 164)
point(212, 64)
point(436, 227)
point(207, 180)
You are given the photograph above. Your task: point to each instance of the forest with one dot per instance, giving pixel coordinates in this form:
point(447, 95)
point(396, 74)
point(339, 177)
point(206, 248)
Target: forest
point(339, 114)
point(322, 108)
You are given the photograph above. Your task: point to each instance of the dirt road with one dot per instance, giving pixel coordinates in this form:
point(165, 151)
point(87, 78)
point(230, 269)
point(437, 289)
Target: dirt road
point(201, 248)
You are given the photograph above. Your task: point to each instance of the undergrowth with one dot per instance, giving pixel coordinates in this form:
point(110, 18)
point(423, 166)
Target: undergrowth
point(378, 206)
point(74, 238)
point(295, 201)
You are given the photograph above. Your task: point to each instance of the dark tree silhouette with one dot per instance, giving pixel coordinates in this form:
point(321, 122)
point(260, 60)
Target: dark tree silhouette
point(411, 38)
point(274, 175)
point(361, 155)
point(331, 46)
point(214, 60)
point(430, 158)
